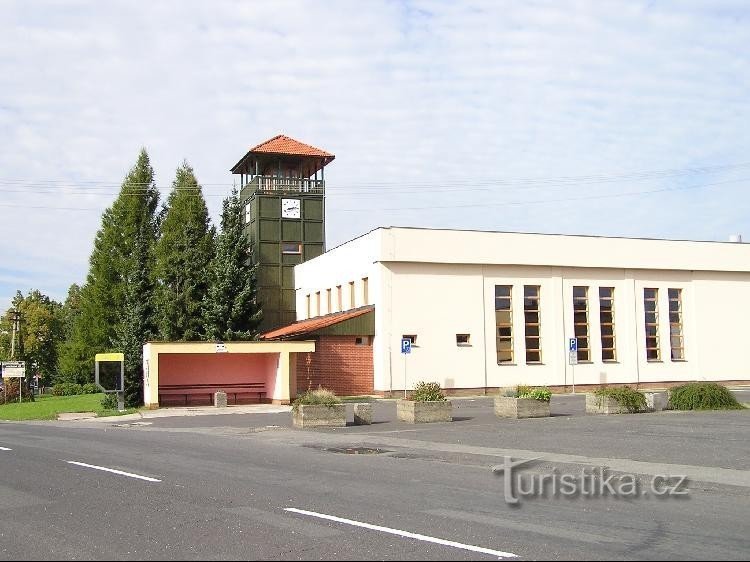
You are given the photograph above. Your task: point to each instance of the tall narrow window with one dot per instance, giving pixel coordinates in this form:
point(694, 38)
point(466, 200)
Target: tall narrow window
point(581, 322)
point(607, 323)
point(329, 302)
point(651, 309)
point(365, 290)
point(339, 299)
point(676, 340)
point(352, 295)
point(317, 303)
point(504, 323)
point(308, 305)
point(532, 321)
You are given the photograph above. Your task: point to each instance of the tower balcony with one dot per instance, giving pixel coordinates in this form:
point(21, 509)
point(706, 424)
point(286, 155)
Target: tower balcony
point(278, 184)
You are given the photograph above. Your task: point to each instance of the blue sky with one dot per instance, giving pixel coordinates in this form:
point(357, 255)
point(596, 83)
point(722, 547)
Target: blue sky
point(607, 118)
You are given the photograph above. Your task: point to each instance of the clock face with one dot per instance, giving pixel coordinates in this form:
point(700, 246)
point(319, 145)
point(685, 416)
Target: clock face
point(290, 208)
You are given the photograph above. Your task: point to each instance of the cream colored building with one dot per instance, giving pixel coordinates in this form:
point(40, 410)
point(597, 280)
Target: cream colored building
point(494, 309)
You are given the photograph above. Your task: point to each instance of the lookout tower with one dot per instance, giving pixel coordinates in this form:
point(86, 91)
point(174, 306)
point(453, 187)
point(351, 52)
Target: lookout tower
point(282, 190)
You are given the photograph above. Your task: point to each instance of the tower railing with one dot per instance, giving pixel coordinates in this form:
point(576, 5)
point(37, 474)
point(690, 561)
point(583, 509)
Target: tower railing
point(287, 184)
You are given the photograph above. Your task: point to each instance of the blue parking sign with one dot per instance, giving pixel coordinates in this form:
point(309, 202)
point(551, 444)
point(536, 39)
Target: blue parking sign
point(573, 344)
point(405, 345)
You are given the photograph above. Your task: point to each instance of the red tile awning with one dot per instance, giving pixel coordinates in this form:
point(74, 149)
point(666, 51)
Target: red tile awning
point(314, 324)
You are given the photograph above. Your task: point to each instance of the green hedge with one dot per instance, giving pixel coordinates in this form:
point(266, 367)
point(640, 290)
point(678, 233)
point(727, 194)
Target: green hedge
point(630, 399)
point(321, 397)
point(703, 396)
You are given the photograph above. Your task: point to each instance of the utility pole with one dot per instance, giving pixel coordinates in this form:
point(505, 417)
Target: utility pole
point(15, 318)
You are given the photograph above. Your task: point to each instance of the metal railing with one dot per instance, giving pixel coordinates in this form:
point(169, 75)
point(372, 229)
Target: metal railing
point(296, 185)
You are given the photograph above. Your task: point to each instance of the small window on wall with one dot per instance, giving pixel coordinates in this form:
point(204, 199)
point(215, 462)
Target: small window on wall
point(676, 339)
point(365, 295)
point(411, 337)
point(651, 313)
point(317, 304)
point(532, 323)
point(329, 302)
point(291, 248)
point(362, 340)
point(248, 212)
point(352, 295)
point(581, 321)
point(504, 323)
point(463, 339)
point(307, 298)
point(339, 298)
point(607, 323)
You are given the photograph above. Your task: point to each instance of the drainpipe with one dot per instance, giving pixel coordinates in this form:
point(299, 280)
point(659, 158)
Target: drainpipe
point(484, 329)
point(635, 329)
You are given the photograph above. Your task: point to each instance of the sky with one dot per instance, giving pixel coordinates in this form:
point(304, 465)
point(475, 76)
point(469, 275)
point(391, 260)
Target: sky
point(604, 118)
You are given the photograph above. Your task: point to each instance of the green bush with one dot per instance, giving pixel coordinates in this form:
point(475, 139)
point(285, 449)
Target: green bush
point(90, 388)
point(522, 390)
point(9, 393)
point(428, 392)
point(320, 397)
point(703, 396)
point(543, 394)
point(109, 401)
point(630, 399)
point(67, 389)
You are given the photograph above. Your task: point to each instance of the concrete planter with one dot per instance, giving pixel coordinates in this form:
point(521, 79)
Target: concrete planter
point(362, 413)
point(316, 415)
point(220, 399)
point(518, 408)
point(656, 401)
point(603, 405)
point(424, 412)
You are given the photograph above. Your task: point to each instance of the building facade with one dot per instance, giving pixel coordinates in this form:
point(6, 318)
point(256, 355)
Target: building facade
point(486, 310)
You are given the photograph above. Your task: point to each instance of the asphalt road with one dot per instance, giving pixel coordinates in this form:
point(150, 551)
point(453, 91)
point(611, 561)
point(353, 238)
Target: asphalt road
point(221, 487)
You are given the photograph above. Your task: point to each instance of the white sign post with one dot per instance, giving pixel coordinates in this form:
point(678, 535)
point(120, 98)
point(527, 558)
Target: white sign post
point(573, 359)
point(405, 350)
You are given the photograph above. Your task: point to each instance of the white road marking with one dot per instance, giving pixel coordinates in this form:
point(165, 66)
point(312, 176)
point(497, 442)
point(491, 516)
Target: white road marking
point(113, 471)
point(5, 449)
point(405, 534)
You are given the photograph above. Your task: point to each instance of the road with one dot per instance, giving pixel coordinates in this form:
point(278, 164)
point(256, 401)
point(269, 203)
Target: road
point(247, 486)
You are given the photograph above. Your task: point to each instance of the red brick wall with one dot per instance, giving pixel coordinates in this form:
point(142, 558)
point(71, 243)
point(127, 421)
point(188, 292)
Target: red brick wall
point(337, 364)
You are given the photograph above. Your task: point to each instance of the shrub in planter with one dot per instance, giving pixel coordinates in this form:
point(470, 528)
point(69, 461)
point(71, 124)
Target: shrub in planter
point(524, 402)
point(427, 404)
point(318, 408)
point(615, 400)
point(703, 396)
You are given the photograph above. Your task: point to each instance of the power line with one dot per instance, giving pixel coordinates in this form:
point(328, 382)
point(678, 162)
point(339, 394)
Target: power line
point(455, 206)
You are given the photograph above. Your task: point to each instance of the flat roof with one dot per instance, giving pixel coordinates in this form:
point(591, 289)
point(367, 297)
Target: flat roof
point(482, 247)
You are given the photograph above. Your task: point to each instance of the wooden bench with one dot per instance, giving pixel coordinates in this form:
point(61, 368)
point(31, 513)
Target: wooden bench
point(188, 391)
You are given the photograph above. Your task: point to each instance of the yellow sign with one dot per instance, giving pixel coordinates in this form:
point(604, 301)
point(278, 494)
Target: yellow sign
point(100, 357)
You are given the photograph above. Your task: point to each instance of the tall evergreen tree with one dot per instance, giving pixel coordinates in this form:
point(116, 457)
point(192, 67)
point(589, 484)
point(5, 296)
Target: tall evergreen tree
point(130, 221)
point(73, 363)
point(183, 256)
point(231, 311)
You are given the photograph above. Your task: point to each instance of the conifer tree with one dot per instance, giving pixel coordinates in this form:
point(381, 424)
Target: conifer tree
point(183, 256)
point(231, 310)
point(129, 222)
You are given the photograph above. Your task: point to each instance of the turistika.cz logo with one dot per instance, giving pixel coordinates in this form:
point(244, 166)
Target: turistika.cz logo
point(590, 482)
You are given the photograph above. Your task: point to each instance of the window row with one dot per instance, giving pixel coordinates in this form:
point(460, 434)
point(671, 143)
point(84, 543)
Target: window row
point(335, 302)
point(504, 329)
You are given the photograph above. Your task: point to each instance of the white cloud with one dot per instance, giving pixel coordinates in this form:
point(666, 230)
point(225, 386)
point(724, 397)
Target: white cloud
point(422, 102)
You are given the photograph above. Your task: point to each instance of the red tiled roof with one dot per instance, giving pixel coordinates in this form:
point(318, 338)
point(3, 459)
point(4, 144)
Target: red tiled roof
point(282, 144)
point(313, 324)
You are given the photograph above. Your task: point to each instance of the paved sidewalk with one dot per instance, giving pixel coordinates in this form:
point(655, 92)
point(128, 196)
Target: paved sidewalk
point(195, 411)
